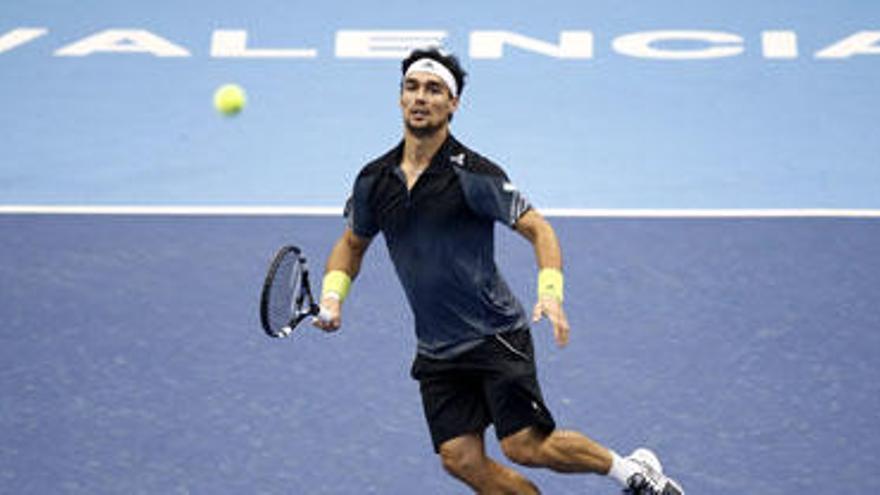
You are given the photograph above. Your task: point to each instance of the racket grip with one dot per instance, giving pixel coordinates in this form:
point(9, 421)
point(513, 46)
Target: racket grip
point(323, 316)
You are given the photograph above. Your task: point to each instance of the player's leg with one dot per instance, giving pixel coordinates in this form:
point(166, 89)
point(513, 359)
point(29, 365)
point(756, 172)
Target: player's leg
point(573, 452)
point(526, 428)
point(528, 433)
point(465, 458)
point(560, 450)
point(457, 416)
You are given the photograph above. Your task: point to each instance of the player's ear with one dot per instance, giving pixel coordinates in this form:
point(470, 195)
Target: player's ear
point(453, 103)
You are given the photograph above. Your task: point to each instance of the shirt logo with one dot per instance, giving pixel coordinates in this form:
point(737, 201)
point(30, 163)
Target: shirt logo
point(459, 159)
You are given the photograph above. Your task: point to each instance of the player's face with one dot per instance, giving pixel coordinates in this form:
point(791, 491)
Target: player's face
point(426, 103)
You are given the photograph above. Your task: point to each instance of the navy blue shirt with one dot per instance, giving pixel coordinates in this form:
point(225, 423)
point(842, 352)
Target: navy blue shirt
point(440, 235)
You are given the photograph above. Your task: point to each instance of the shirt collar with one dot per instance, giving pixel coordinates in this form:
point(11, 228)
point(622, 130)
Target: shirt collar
point(438, 161)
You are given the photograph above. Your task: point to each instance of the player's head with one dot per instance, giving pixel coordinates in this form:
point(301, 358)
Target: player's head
point(430, 89)
point(450, 62)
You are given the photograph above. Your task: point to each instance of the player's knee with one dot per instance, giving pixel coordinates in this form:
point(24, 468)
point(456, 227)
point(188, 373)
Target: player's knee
point(460, 462)
point(521, 450)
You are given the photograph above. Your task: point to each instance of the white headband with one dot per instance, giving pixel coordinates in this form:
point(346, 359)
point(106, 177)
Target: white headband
point(434, 67)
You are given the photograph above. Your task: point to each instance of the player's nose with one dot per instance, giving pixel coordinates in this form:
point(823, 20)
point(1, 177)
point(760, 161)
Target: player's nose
point(421, 95)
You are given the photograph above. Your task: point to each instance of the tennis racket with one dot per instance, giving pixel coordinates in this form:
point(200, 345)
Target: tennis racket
point(287, 295)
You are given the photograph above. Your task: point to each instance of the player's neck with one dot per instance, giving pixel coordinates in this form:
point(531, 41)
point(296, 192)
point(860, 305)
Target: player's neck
point(419, 150)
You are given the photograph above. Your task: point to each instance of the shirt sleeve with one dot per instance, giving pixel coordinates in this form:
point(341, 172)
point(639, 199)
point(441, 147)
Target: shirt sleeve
point(490, 193)
point(358, 212)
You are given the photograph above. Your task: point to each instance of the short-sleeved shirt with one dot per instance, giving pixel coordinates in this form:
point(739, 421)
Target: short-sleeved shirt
point(440, 235)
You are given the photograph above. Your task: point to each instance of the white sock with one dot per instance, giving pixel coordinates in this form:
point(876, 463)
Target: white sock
point(621, 469)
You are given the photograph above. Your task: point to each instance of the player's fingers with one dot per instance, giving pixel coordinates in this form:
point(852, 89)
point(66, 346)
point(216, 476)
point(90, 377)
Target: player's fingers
point(329, 319)
point(561, 331)
point(330, 326)
point(334, 323)
point(560, 322)
point(537, 312)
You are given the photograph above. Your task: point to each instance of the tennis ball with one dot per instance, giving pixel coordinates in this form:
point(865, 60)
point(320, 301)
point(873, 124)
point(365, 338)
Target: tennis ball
point(229, 99)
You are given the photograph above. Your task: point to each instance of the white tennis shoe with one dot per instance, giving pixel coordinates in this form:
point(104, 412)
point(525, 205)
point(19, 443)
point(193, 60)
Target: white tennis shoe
point(650, 479)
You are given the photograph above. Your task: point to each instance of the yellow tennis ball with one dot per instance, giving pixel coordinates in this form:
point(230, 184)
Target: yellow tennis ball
point(229, 99)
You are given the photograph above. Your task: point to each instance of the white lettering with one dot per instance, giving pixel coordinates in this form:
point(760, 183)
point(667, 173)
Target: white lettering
point(641, 45)
point(384, 44)
point(233, 44)
point(123, 41)
point(572, 44)
point(779, 44)
point(483, 44)
point(861, 43)
point(20, 36)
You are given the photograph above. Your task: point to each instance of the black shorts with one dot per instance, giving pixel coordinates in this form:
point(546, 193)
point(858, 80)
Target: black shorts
point(493, 383)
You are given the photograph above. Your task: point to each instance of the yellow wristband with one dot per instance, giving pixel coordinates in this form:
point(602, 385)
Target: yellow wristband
point(336, 284)
point(550, 283)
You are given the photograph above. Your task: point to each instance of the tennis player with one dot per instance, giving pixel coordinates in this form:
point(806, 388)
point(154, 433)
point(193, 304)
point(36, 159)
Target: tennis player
point(436, 201)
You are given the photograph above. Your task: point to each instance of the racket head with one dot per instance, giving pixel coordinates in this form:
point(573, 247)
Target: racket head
point(286, 298)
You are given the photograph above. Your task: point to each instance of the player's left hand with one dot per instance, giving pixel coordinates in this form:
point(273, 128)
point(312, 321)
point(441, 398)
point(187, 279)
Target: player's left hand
point(552, 308)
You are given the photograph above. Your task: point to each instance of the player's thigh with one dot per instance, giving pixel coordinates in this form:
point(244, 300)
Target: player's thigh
point(454, 406)
point(512, 392)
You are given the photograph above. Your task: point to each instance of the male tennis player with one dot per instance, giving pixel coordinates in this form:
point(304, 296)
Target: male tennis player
point(436, 202)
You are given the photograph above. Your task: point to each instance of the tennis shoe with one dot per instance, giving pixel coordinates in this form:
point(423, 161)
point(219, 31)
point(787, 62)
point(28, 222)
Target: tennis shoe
point(650, 479)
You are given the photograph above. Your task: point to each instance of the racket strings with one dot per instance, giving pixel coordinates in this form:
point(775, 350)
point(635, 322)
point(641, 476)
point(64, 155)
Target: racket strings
point(286, 294)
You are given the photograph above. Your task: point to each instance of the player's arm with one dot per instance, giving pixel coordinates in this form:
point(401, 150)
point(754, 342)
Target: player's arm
point(343, 265)
point(540, 233)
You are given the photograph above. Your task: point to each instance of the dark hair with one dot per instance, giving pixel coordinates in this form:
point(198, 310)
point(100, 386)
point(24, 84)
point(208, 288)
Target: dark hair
point(447, 60)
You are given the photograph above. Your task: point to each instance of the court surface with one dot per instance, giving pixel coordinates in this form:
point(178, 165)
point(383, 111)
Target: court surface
point(742, 350)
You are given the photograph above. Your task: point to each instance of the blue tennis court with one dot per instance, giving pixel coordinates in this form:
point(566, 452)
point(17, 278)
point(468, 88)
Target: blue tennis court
point(743, 350)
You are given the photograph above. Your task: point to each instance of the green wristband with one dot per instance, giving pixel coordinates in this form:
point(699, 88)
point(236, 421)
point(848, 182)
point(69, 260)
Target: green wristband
point(550, 283)
point(336, 284)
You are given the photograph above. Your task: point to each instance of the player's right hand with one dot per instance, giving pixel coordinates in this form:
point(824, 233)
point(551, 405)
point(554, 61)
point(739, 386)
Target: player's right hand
point(331, 315)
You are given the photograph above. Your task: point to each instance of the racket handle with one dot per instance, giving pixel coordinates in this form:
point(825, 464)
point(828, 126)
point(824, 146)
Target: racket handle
point(323, 315)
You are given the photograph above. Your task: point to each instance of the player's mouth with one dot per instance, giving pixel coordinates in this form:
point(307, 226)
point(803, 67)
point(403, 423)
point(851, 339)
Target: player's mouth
point(419, 113)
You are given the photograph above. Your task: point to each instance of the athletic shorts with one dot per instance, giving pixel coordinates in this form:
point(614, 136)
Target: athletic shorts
point(493, 383)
